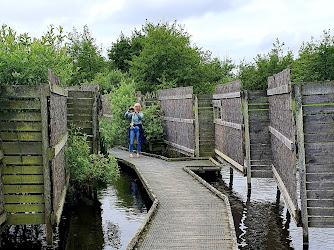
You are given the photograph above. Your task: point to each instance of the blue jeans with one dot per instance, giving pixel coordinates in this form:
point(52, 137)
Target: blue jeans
point(134, 133)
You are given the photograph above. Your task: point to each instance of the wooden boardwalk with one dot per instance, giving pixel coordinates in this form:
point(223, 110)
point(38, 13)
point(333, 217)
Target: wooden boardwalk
point(189, 215)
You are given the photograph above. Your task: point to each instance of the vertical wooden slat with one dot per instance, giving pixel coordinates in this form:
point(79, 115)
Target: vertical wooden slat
point(301, 160)
point(196, 126)
point(46, 163)
point(247, 141)
point(94, 124)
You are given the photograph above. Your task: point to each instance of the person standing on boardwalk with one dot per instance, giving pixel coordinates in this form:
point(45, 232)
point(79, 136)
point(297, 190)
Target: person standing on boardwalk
point(136, 128)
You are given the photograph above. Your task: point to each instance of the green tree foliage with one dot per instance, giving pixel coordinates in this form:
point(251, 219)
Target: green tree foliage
point(315, 61)
point(254, 75)
point(122, 51)
point(161, 56)
point(85, 167)
point(153, 123)
point(86, 56)
point(108, 80)
point(122, 97)
point(25, 60)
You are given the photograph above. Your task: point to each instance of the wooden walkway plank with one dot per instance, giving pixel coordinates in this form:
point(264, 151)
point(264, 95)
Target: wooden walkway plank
point(189, 215)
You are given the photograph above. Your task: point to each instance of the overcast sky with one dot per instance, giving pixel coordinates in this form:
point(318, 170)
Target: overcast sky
point(235, 28)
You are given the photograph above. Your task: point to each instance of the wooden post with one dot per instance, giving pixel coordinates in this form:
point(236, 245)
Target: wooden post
point(197, 149)
point(94, 124)
point(46, 162)
point(301, 161)
point(247, 162)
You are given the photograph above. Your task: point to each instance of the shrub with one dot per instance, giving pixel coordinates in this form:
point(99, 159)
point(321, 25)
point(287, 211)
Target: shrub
point(86, 167)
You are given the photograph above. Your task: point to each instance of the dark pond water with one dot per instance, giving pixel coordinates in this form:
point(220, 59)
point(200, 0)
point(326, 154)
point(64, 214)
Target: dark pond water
point(109, 222)
point(261, 219)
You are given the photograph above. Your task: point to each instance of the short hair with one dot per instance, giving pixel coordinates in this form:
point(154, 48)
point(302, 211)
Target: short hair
point(137, 104)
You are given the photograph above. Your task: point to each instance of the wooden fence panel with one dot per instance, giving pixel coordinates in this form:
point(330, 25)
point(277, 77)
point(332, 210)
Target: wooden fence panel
point(204, 126)
point(282, 129)
point(21, 144)
point(229, 129)
point(82, 113)
point(315, 136)
point(177, 104)
point(259, 149)
point(58, 141)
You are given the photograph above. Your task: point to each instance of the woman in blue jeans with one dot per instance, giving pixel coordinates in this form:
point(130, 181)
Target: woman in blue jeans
point(136, 128)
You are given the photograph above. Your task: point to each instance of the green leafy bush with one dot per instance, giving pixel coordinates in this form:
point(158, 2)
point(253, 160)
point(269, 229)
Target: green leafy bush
point(86, 167)
point(25, 60)
point(152, 123)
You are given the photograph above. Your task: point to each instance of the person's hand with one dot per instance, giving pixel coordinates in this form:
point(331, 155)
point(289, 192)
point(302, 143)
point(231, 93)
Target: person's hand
point(128, 111)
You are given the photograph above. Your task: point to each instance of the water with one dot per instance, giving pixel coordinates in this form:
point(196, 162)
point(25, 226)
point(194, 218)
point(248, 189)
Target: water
point(261, 220)
point(109, 222)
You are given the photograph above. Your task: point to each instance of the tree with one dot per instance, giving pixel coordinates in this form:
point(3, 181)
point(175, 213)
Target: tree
point(25, 60)
point(86, 56)
point(254, 75)
point(169, 59)
point(315, 61)
point(122, 51)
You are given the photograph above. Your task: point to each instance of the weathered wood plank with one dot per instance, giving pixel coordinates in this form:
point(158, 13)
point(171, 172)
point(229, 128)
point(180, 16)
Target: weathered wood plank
point(287, 198)
point(75, 106)
point(320, 194)
point(319, 148)
point(258, 100)
point(321, 185)
point(80, 124)
point(175, 97)
point(228, 124)
point(23, 198)
point(231, 161)
point(56, 89)
point(227, 95)
point(258, 108)
point(22, 169)
point(28, 189)
point(19, 104)
point(315, 110)
point(21, 147)
point(318, 128)
point(82, 101)
point(56, 149)
point(21, 208)
point(317, 88)
point(25, 219)
point(20, 116)
point(318, 99)
point(283, 89)
point(320, 203)
point(262, 174)
point(80, 94)
point(82, 118)
point(87, 112)
point(286, 141)
point(320, 168)
point(319, 159)
point(182, 120)
point(325, 118)
point(183, 148)
point(23, 179)
point(23, 160)
point(20, 91)
point(321, 222)
point(309, 138)
point(21, 136)
point(315, 177)
point(20, 126)
point(264, 113)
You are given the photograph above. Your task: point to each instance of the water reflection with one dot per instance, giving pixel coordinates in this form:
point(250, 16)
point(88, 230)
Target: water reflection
point(109, 222)
point(257, 217)
point(261, 218)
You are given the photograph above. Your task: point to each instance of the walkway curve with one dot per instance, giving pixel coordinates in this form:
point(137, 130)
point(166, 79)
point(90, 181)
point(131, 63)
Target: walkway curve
point(190, 216)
